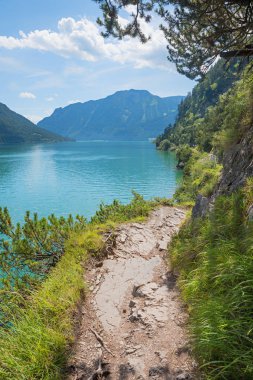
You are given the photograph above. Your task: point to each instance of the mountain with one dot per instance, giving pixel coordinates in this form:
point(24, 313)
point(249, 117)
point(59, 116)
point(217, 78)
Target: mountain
point(15, 128)
point(125, 115)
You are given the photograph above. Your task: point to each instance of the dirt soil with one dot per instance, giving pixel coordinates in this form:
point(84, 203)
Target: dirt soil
point(133, 322)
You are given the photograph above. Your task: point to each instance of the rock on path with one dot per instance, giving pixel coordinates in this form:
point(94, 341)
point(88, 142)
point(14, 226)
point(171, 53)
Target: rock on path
point(133, 323)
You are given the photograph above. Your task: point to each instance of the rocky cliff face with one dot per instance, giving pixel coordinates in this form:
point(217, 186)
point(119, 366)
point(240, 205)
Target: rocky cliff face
point(237, 164)
point(237, 167)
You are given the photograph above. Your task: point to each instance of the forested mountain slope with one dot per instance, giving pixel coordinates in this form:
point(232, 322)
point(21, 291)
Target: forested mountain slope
point(125, 115)
point(190, 126)
point(15, 128)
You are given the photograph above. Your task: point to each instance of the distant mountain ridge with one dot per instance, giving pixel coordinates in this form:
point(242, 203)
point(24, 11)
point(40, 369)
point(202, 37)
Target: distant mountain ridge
point(125, 115)
point(15, 128)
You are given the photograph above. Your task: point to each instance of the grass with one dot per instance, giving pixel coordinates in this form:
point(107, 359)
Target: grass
point(215, 259)
point(201, 174)
point(36, 344)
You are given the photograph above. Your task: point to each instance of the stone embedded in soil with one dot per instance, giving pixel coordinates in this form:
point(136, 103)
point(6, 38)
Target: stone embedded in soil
point(184, 376)
point(121, 276)
point(132, 304)
point(157, 371)
point(163, 245)
point(132, 349)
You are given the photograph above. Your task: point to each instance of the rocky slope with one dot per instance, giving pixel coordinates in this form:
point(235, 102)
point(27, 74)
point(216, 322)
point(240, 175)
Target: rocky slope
point(125, 115)
point(237, 164)
point(237, 167)
point(234, 141)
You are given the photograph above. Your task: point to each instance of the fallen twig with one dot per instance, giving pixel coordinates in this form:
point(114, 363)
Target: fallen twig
point(108, 237)
point(100, 340)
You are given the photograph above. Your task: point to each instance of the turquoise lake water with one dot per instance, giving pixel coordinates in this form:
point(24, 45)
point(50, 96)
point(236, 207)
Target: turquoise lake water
point(76, 177)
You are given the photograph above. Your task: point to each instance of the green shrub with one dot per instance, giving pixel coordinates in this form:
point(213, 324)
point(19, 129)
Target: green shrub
point(28, 253)
point(118, 212)
point(183, 153)
point(164, 145)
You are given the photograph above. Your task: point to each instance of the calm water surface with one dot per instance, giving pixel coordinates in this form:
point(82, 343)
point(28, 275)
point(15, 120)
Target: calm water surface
point(76, 177)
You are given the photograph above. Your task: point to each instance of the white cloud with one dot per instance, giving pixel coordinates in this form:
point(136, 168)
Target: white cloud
point(51, 98)
point(34, 118)
point(82, 39)
point(74, 101)
point(27, 95)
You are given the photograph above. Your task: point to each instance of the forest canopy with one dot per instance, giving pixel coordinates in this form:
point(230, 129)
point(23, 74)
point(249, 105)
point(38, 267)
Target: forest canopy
point(197, 31)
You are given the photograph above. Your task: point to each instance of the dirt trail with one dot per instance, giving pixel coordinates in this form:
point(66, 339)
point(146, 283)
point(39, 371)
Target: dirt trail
point(133, 323)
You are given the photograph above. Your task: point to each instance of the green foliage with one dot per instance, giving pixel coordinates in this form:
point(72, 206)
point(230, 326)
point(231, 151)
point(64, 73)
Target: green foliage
point(233, 114)
point(215, 259)
point(117, 212)
point(28, 252)
point(157, 201)
point(197, 31)
point(38, 243)
point(164, 145)
point(183, 154)
point(201, 174)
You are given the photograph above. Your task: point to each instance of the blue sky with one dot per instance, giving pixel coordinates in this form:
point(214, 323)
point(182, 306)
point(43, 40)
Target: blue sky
point(52, 54)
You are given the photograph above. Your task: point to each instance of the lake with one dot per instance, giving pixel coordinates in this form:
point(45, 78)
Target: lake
point(76, 177)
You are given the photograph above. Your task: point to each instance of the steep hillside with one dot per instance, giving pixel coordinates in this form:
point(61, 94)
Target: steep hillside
point(125, 115)
point(228, 128)
point(213, 251)
point(190, 127)
point(15, 128)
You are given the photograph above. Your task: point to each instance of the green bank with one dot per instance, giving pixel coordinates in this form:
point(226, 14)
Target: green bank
point(213, 253)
